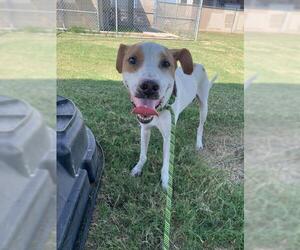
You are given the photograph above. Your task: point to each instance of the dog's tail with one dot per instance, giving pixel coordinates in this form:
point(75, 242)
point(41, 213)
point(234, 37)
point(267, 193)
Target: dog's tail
point(248, 82)
point(213, 80)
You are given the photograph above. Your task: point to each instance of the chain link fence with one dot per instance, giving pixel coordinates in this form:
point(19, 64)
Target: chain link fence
point(106, 15)
point(179, 19)
point(134, 16)
point(143, 18)
point(16, 14)
point(73, 13)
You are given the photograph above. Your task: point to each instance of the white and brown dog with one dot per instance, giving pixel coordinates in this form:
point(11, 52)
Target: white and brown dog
point(151, 75)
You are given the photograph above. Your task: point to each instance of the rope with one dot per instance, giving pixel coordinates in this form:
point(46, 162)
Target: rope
point(166, 242)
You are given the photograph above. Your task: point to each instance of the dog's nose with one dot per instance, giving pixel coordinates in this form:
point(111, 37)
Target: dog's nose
point(149, 88)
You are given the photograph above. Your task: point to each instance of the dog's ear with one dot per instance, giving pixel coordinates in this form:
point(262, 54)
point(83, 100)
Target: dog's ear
point(120, 57)
point(185, 59)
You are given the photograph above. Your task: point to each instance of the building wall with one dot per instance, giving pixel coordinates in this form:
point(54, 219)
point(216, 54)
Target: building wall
point(253, 20)
point(212, 19)
point(221, 20)
point(260, 20)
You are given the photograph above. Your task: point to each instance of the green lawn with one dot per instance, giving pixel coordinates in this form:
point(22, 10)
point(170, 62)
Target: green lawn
point(208, 187)
point(35, 80)
point(273, 57)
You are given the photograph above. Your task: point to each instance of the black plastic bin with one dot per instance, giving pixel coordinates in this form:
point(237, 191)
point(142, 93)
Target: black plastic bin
point(27, 177)
point(80, 163)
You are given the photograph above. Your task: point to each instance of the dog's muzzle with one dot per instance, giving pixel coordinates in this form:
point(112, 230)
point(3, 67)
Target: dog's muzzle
point(145, 109)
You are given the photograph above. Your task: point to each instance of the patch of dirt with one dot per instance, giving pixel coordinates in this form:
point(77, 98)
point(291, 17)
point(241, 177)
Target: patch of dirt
point(227, 152)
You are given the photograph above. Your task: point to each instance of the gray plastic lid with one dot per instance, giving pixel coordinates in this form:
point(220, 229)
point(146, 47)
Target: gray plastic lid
point(27, 170)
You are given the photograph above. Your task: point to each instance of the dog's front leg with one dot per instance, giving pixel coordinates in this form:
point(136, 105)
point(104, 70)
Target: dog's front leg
point(145, 137)
point(165, 130)
point(166, 159)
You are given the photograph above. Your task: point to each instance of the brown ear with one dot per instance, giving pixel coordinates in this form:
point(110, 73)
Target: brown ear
point(120, 57)
point(185, 59)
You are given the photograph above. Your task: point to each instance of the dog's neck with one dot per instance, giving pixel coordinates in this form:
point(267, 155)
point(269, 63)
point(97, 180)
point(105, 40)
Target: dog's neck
point(171, 97)
point(174, 93)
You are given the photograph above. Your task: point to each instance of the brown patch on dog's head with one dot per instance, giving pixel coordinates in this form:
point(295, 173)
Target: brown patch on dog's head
point(185, 59)
point(129, 58)
point(120, 57)
point(166, 58)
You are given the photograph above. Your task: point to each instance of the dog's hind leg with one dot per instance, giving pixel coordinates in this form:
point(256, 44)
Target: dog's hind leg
point(203, 114)
point(202, 95)
point(145, 138)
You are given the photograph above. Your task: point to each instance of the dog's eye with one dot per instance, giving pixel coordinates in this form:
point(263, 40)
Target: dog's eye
point(165, 64)
point(132, 60)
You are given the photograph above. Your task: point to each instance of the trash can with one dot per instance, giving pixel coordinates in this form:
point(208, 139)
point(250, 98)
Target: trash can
point(80, 162)
point(27, 177)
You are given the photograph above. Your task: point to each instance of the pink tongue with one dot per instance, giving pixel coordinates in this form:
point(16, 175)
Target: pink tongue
point(145, 107)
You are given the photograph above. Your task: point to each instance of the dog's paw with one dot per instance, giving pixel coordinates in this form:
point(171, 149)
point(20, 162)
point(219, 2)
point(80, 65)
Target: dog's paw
point(164, 182)
point(164, 186)
point(199, 147)
point(136, 171)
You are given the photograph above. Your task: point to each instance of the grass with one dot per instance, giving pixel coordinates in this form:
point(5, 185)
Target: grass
point(38, 50)
point(271, 146)
point(28, 69)
point(273, 57)
point(272, 166)
point(208, 191)
point(219, 53)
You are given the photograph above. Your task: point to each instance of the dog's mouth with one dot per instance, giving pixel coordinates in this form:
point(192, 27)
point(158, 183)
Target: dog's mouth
point(145, 109)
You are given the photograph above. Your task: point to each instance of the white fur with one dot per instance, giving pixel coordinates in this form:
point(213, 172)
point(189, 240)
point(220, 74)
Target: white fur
point(188, 87)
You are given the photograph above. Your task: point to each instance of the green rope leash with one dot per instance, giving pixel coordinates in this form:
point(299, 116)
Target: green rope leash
point(166, 242)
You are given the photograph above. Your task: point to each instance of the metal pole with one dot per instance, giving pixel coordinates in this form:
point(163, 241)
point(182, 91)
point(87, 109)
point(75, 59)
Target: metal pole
point(176, 15)
point(197, 25)
point(155, 14)
point(233, 22)
point(61, 6)
point(116, 14)
point(98, 15)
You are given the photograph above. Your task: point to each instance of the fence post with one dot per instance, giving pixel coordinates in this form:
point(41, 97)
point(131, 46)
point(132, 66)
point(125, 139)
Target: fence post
point(233, 22)
point(155, 14)
point(116, 14)
point(198, 18)
point(131, 12)
point(61, 12)
point(98, 16)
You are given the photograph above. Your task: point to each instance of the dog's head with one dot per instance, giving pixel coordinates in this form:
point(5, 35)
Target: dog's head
point(148, 71)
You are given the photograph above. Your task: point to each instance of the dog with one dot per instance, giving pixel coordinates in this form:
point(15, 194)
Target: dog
point(151, 75)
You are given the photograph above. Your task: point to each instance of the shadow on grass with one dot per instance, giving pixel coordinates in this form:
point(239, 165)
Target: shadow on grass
point(272, 166)
point(208, 207)
point(39, 93)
